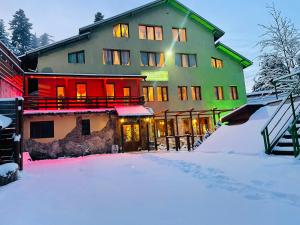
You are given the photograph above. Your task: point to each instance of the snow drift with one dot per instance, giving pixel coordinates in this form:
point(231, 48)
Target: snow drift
point(243, 139)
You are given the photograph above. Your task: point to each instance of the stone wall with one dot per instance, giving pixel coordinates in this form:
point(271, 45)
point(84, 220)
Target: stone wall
point(75, 144)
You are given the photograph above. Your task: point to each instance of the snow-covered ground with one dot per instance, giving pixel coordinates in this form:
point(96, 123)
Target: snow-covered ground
point(155, 189)
point(4, 121)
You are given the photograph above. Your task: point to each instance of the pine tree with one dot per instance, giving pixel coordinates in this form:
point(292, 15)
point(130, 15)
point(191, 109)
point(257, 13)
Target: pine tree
point(45, 39)
point(271, 67)
point(3, 34)
point(98, 17)
point(34, 42)
point(21, 36)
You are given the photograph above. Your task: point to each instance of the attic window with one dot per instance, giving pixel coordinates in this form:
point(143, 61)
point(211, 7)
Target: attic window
point(121, 30)
point(217, 63)
point(76, 57)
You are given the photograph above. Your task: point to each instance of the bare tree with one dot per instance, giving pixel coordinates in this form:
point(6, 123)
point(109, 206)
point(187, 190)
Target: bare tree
point(281, 37)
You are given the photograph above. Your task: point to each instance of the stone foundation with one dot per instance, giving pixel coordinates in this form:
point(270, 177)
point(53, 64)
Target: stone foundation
point(75, 144)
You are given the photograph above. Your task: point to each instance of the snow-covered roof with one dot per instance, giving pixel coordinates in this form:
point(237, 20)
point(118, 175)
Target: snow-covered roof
point(67, 111)
point(132, 111)
point(4, 121)
point(11, 99)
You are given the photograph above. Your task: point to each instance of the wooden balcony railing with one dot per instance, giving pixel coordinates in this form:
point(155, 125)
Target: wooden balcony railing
point(52, 103)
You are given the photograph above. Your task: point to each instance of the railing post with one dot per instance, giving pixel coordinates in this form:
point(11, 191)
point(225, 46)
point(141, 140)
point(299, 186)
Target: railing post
point(293, 106)
point(188, 142)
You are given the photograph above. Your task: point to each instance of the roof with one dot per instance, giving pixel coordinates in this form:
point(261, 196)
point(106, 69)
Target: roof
point(85, 31)
point(234, 55)
point(57, 44)
point(133, 111)
point(85, 75)
point(15, 59)
point(218, 33)
point(67, 111)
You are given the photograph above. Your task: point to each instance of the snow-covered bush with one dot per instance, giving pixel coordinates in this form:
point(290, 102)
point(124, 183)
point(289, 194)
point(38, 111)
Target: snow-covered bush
point(8, 173)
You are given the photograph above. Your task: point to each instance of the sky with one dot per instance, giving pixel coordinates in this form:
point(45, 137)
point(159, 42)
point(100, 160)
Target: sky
point(239, 19)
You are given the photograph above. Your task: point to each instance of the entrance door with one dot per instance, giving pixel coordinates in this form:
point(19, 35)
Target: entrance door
point(60, 94)
point(131, 137)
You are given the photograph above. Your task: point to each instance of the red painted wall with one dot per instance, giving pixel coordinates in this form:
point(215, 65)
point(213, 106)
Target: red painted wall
point(95, 87)
point(8, 91)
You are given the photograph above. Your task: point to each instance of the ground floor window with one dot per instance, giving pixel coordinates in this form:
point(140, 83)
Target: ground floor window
point(42, 129)
point(161, 128)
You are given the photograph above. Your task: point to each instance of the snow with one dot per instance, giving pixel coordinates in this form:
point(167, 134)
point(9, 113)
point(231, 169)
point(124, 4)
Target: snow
point(7, 168)
point(243, 139)
point(137, 110)
point(4, 121)
point(66, 111)
point(155, 189)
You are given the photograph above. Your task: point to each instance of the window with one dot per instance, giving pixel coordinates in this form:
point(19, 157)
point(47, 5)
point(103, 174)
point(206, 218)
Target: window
point(121, 30)
point(126, 94)
point(148, 93)
point(234, 93)
point(110, 90)
point(196, 93)
point(33, 86)
point(60, 93)
point(116, 57)
point(162, 94)
point(182, 93)
point(186, 60)
point(81, 91)
point(85, 127)
point(150, 32)
point(179, 34)
point(219, 93)
point(217, 63)
point(155, 59)
point(76, 57)
point(42, 129)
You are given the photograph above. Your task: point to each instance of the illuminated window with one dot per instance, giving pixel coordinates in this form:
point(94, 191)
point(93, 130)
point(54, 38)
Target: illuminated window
point(162, 94)
point(186, 60)
point(179, 34)
point(182, 93)
point(81, 91)
point(76, 57)
point(217, 63)
point(151, 33)
point(148, 93)
point(110, 90)
point(234, 93)
point(126, 92)
point(60, 93)
point(121, 30)
point(116, 57)
point(219, 93)
point(155, 59)
point(196, 93)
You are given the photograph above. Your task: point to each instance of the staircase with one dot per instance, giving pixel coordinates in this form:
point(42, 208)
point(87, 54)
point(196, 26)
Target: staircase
point(10, 148)
point(281, 132)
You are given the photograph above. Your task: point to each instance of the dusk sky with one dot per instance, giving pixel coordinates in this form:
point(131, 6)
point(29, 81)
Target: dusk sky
point(238, 19)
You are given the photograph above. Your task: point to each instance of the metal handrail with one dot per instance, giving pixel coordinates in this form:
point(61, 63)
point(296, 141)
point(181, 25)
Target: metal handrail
point(267, 130)
point(280, 106)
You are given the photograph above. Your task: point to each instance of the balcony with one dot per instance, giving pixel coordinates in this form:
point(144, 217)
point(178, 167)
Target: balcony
point(53, 103)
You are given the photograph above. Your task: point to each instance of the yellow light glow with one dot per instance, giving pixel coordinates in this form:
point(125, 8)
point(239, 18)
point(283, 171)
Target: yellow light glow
point(194, 121)
point(122, 120)
point(147, 120)
point(169, 52)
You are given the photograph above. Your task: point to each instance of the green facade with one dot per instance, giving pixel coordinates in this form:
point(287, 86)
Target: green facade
point(200, 41)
